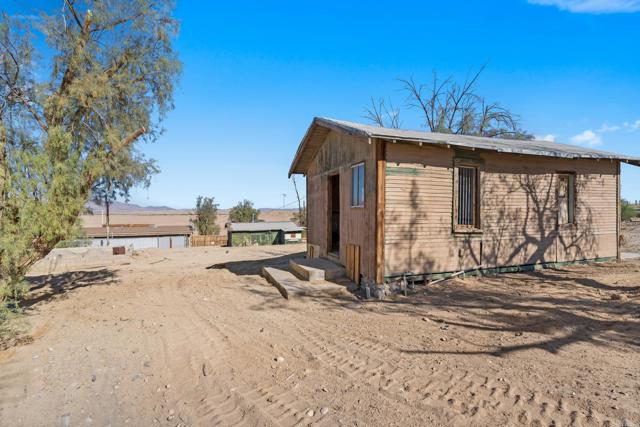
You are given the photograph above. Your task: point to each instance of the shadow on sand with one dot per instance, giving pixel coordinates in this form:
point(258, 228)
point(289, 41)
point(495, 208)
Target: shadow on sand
point(547, 310)
point(44, 287)
point(254, 267)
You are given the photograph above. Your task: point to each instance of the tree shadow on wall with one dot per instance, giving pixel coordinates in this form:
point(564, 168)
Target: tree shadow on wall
point(529, 233)
point(519, 221)
point(404, 234)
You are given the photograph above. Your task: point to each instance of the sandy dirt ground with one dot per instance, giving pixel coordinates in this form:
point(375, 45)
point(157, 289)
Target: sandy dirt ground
point(195, 337)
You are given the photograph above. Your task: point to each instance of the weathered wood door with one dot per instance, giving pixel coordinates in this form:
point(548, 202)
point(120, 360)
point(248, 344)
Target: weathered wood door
point(333, 232)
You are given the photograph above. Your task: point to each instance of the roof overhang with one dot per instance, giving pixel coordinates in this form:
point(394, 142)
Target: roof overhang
point(320, 128)
point(137, 231)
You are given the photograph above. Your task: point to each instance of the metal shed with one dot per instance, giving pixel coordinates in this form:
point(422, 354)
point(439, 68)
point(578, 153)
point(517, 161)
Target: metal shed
point(263, 233)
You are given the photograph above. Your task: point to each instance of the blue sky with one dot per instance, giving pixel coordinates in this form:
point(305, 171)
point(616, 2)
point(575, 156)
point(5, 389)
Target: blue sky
point(256, 73)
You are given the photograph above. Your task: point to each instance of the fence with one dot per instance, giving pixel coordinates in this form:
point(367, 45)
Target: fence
point(208, 240)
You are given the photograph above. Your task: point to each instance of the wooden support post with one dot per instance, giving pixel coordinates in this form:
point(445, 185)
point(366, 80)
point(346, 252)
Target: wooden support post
point(353, 263)
point(381, 173)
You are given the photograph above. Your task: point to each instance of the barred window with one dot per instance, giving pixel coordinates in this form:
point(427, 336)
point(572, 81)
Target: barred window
point(467, 198)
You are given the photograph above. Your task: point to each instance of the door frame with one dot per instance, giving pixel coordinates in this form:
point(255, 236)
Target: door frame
point(329, 229)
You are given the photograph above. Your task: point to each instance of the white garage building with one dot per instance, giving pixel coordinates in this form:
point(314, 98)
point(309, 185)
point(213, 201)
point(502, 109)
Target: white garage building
point(140, 237)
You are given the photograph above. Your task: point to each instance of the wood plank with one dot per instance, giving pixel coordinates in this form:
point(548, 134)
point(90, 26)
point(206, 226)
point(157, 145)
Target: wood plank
point(381, 166)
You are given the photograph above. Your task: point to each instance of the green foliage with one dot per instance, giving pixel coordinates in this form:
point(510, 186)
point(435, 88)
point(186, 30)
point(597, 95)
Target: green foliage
point(13, 329)
point(75, 132)
point(123, 172)
point(300, 217)
point(627, 210)
point(206, 216)
point(243, 212)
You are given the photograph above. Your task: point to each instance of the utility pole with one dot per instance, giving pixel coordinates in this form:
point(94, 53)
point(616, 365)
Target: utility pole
point(295, 186)
point(283, 200)
point(106, 202)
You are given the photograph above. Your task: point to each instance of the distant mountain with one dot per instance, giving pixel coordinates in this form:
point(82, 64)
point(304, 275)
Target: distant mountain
point(120, 207)
point(278, 209)
point(128, 208)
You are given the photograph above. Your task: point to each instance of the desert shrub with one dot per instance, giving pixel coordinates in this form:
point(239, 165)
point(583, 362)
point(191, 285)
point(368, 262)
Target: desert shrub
point(627, 210)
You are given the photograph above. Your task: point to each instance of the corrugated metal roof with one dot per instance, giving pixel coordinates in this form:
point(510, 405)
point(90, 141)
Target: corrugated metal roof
point(136, 231)
point(286, 226)
point(310, 143)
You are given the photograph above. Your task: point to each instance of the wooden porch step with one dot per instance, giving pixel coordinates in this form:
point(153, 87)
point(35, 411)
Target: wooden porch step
point(291, 286)
point(317, 269)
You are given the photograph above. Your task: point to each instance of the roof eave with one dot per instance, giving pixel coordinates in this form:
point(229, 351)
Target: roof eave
point(296, 158)
point(330, 124)
point(326, 123)
point(521, 152)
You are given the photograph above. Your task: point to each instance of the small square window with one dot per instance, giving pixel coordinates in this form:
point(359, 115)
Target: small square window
point(357, 185)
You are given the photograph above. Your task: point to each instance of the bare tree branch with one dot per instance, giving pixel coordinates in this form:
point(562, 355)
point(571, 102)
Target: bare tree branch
point(117, 22)
point(449, 107)
point(383, 116)
point(74, 13)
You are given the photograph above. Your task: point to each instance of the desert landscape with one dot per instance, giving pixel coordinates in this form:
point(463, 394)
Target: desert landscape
point(126, 214)
point(196, 336)
point(221, 214)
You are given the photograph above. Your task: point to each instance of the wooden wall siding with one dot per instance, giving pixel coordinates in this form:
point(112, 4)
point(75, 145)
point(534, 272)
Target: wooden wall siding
point(418, 206)
point(353, 263)
point(357, 225)
point(518, 211)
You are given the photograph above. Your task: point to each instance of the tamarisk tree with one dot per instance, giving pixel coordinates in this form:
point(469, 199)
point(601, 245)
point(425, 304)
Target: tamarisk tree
point(206, 216)
point(72, 117)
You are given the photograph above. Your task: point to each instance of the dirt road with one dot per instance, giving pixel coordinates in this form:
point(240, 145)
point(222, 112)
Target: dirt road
point(195, 337)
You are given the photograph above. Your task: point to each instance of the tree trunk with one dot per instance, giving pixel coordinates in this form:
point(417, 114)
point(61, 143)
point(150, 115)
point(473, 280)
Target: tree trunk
point(295, 186)
point(106, 202)
point(3, 178)
point(3, 164)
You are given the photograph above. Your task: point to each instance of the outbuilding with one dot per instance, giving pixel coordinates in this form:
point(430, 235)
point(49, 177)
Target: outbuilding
point(385, 202)
point(140, 236)
point(263, 233)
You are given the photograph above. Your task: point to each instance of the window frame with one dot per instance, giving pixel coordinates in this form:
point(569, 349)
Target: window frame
point(358, 191)
point(572, 198)
point(476, 227)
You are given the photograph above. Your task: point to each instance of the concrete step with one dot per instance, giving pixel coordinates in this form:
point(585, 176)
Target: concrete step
point(317, 269)
point(334, 257)
point(291, 286)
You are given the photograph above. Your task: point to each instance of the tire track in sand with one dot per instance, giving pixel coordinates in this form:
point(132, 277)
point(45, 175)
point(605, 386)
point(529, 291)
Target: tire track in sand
point(467, 395)
point(207, 384)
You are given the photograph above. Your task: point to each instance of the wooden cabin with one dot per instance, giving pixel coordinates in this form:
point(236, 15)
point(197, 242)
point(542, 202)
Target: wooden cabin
point(384, 202)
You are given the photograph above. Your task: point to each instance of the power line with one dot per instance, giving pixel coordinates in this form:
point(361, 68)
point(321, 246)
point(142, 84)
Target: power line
point(294, 202)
